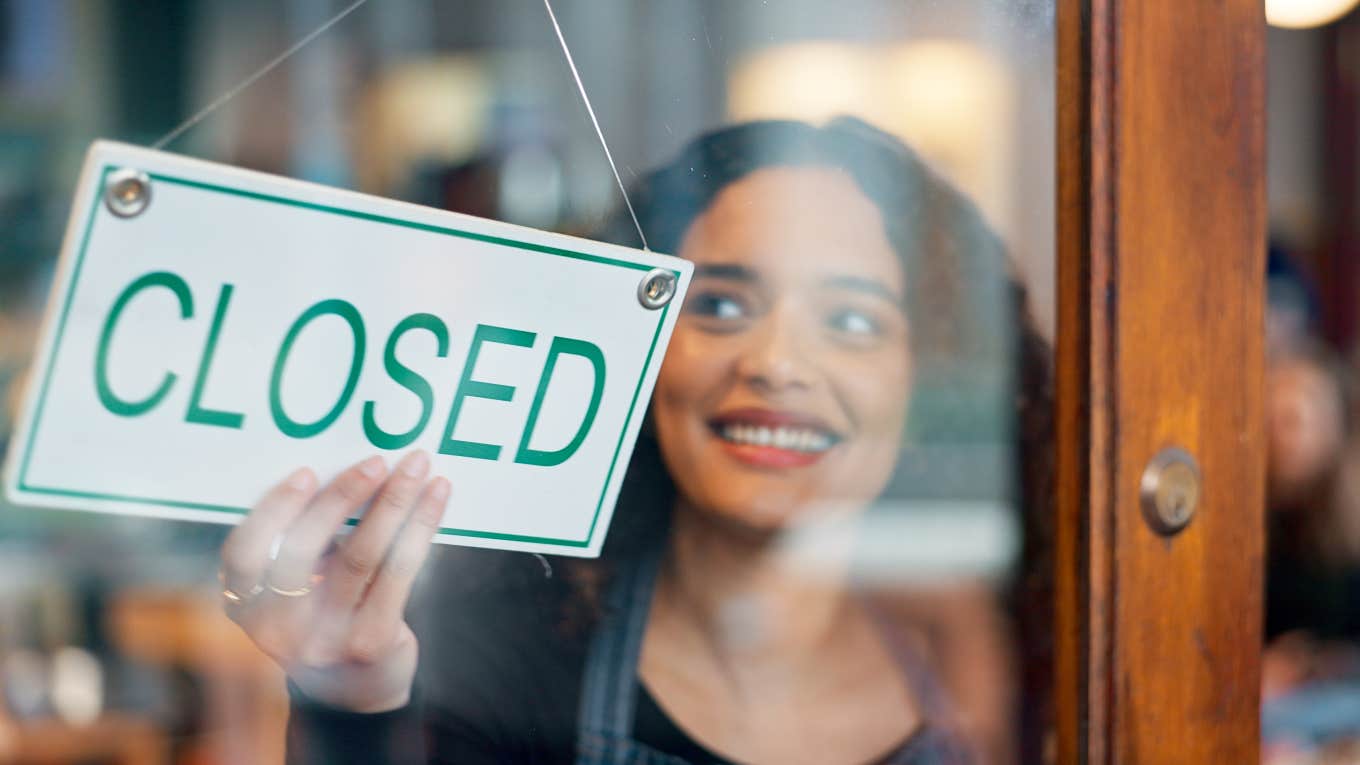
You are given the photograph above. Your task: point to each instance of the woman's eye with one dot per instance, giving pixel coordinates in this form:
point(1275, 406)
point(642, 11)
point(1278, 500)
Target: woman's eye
point(718, 306)
point(855, 323)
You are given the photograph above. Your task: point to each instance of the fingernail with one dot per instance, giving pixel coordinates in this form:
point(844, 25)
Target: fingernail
point(415, 464)
point(439, 490)
point(373, 467)
point(301, 479)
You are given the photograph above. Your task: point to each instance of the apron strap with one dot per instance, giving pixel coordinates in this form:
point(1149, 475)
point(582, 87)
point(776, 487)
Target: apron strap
point(609, 684)
point(939, 742)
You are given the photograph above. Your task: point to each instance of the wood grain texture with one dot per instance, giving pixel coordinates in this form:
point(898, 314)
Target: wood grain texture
point(1160, 332)
point(1082, 579)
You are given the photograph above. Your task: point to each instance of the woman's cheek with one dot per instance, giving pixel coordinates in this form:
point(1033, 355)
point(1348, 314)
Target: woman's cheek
point(697, 370)
point(690, 378)
point(674, 383)
point(877, 389)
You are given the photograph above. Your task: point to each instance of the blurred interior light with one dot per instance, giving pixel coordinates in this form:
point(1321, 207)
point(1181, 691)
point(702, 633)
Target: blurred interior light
point(944, 97)
point(812, 81)
point(1302, 14)
point(426, 109)
point(77, 686)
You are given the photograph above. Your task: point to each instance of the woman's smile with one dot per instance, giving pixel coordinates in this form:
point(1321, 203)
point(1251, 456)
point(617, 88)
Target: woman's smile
point(769, 438)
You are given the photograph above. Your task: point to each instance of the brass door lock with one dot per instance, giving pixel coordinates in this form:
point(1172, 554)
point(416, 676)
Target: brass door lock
point(1170, 490)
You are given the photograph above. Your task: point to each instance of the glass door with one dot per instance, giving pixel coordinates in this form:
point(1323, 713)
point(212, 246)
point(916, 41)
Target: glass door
point(870, 513)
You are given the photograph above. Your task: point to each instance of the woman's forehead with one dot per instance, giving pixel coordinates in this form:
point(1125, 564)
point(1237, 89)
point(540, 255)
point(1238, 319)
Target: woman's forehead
point(795, 222)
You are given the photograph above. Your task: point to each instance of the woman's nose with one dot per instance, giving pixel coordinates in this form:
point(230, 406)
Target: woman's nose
point(776, 357)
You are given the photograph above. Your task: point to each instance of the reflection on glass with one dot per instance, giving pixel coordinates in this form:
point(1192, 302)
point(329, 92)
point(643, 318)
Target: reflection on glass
point(831, 544)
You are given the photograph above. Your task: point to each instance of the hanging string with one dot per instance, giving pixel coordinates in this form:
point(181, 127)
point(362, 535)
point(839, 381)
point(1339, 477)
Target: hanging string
point(251, 80)
point(221, 100)
point(547, 567)
point(591, 111)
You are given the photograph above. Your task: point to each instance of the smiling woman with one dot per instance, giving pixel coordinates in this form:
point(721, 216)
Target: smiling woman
point(832, 271)
point(835, 275)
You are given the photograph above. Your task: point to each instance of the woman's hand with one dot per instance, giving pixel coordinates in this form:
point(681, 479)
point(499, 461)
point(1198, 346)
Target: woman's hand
point(333, 619)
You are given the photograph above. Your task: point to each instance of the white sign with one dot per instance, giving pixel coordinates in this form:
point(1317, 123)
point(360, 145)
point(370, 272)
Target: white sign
point(239, 325)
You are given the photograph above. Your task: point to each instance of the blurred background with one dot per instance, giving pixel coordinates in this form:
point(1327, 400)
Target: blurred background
point(112, 644)
point(1311, 664)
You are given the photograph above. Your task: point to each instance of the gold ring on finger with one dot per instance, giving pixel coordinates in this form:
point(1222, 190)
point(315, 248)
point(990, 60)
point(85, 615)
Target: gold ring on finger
point(235, 598)
point(291, 593)
point(296, 592)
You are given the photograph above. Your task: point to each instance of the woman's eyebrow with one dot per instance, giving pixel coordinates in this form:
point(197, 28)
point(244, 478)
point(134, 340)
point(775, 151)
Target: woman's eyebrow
point(865, 285)
point(725, 271)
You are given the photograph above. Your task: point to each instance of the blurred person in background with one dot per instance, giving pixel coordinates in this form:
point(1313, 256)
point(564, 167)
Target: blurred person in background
point(1314, 559)
point(1311, 662)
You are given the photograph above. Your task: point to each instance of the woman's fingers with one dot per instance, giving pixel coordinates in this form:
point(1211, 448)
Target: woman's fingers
point(353, 566)
point(356, 615)
point(310, 535)
point(380, 615)
point(245, 554)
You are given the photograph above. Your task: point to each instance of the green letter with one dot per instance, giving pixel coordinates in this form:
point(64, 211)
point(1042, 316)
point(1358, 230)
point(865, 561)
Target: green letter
point(199, 414)
point(110, 401)
point(470, 387)
point(561, 345)
point(351, 316)
point(407, 379)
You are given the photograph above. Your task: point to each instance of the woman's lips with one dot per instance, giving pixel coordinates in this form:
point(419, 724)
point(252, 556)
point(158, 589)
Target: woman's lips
point(773, 439)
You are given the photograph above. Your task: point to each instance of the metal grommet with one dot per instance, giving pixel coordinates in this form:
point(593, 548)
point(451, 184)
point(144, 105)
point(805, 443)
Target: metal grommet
point(656, 289)
point(127, 192)
point(1170, 490)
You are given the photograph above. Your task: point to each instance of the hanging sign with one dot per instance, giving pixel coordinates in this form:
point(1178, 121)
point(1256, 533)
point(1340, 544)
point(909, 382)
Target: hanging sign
point(211, 329)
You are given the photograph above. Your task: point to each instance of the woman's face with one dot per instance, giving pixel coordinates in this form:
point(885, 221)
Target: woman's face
point(786, 384)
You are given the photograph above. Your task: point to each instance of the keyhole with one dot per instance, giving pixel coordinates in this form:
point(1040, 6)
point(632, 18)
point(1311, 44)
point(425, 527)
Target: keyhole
point(1170, 488)
point(1177, 513)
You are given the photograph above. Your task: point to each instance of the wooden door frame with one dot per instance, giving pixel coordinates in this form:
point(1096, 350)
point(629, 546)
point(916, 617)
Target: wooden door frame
point(1161, 247)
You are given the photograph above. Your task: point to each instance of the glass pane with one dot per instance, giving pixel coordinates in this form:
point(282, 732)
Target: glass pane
point(832, 540)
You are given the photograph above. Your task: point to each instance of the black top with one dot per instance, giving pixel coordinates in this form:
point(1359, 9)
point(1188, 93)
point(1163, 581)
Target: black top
point(499, 680)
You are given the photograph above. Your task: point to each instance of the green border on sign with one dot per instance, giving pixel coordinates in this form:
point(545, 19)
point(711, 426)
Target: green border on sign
point(383, 219)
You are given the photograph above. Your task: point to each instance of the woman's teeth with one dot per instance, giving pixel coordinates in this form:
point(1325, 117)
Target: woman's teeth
point(794, 439)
